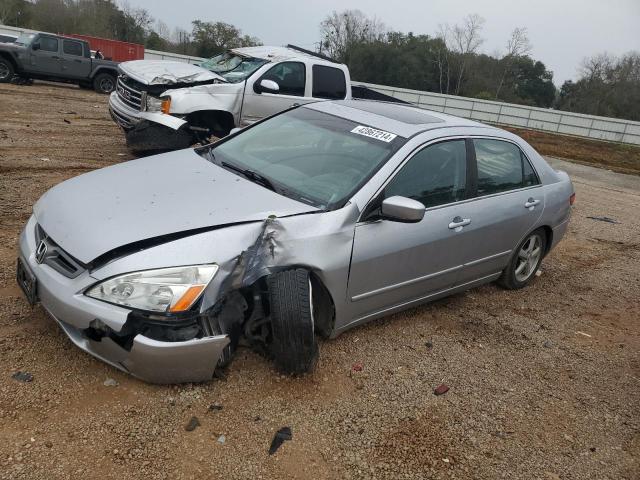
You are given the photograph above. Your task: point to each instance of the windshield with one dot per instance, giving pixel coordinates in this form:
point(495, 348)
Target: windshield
point(232, 67)
point(25, 38)
point(310, 156)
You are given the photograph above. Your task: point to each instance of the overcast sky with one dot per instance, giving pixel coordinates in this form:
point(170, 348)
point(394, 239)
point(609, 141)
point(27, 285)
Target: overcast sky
point(562, 32)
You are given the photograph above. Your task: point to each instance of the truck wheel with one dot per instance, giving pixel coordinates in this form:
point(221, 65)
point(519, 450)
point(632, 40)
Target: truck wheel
point(293, 347)
point(6, 71)
point(104, 83)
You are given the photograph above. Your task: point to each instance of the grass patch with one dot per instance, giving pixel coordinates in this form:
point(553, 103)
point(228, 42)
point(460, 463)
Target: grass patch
point(613, 156)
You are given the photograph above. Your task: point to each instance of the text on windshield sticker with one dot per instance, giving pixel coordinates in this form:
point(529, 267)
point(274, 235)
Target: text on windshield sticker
point(374, 133)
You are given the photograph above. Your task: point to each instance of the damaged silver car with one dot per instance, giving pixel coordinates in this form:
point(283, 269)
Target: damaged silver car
point(305, 224)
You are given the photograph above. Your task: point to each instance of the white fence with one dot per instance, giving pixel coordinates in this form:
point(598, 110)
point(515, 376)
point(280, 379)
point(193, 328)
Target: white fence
point(589, 126)
point(577, 124)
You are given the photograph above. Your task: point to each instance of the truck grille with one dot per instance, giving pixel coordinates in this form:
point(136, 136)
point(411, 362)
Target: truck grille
point(129, 95)
point(56, 257)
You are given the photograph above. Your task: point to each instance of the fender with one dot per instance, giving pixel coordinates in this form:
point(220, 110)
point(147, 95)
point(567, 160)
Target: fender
point(104, 69)
point(225, 97)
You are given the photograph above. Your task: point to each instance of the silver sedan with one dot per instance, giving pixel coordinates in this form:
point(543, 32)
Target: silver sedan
point(306, 224)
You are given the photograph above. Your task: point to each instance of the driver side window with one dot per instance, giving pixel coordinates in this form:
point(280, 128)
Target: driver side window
point(290, 77)
point(436, 175)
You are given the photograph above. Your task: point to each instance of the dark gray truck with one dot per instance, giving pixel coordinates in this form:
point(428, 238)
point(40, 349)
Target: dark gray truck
point(56, 58)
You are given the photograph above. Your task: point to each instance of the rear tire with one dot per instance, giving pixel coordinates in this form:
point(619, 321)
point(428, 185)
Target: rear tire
point(525, 261)
point(6, 70)
point(104, 83)
point(294, 347)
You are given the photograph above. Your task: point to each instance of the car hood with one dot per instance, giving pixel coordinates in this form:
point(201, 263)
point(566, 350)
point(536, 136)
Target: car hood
point(94, 213)
point(164, 72)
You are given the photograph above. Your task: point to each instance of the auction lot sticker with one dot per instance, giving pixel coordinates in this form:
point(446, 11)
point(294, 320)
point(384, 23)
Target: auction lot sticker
point(374, 133)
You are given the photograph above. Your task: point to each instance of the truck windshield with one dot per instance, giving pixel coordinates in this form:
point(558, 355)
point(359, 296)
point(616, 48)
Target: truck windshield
point(25, 38)
point(232, 67)
point(313, 157)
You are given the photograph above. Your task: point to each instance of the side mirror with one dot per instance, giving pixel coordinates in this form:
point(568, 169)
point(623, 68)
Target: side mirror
point(268, 86)
point(402, 209)
point(35, 46)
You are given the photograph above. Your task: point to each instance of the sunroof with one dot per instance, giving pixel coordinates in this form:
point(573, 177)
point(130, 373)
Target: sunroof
point(395, 111)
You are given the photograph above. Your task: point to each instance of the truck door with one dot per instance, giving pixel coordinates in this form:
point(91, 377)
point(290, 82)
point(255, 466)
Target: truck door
point(291, 78)
point(45, 56)
point(74, 62)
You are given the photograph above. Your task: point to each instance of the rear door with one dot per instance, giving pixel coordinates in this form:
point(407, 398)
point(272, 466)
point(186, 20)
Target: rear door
point(74, 62)
point(291, 78)
point(45, 59)
point(394, 263)
point(507, 205)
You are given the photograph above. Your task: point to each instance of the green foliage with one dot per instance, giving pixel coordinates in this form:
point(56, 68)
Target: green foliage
point(608, 86)
point(212, 38)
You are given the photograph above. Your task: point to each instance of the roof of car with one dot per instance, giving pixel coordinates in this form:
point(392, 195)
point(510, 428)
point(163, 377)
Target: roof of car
point(275, 54)
point(401, 119)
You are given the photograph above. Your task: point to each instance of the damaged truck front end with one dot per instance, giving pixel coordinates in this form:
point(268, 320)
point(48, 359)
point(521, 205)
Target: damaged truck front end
point(156, 104)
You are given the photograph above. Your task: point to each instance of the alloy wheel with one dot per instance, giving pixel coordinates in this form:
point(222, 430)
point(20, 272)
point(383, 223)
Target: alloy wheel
point(528, 258)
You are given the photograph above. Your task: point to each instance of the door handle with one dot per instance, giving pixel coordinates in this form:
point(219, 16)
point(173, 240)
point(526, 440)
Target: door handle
point(458, 222)
point(77, 60)
point(531, 203)
point(54, 57)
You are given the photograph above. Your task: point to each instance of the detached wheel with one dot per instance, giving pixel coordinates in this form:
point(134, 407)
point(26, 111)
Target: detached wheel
point(104, 83)
point(294, 348)
point(6, 71)
point(525, 262)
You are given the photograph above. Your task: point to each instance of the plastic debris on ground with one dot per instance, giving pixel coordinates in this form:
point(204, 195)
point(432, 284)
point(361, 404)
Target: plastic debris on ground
point(22, 376)
point(441, 389)
point(279, 438)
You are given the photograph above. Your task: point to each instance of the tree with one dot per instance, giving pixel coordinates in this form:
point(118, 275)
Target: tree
point(340, 32)
point(517, 46)
point(465, 41)
point(212, 38)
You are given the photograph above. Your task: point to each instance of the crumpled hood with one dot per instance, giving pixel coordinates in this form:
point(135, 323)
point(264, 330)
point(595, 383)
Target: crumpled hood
point(99, 211)
point(165, 72)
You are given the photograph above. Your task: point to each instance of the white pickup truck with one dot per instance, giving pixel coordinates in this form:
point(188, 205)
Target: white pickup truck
point(165, 105)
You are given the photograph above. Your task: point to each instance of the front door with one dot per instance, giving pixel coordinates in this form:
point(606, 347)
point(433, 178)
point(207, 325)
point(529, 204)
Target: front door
point(74, 63)
point(395, 263)
point(46, 59)
point(291, 78)
point(509, 202)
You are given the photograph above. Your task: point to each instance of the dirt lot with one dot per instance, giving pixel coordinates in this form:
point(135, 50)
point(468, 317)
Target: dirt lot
point(544, 382)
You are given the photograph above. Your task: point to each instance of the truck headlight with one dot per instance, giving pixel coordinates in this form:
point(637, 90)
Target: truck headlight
point(173, 289)
point(155, 104)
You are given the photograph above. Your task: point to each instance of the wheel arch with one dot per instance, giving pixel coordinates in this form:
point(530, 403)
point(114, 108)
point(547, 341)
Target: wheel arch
point(323, 302)
point(10, 59)
point(217, 120)
point(111, 71)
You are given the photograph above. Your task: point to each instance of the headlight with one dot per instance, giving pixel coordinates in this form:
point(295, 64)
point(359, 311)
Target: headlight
point(173, 289)
point(158, 104)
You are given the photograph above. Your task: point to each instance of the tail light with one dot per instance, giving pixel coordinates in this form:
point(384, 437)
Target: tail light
point(572, 198)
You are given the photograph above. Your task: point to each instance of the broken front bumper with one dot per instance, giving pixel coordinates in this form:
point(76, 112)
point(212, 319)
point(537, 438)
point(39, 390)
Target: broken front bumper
point(149, 130)
point(148, 359)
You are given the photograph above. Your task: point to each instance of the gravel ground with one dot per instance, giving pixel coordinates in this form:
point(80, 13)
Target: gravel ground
point(544, 382)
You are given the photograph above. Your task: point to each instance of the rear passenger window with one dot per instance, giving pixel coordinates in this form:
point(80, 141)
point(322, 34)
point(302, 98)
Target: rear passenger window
point(72, 48)
point(501, 167)
point(329, 83)
point(434, 176)
point(48, 44)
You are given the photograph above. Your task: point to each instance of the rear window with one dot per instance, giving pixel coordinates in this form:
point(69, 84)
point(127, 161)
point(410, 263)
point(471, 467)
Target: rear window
point(329, 83)
point(71, 47)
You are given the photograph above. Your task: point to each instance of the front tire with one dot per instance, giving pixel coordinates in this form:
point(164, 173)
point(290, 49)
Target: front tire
point(525, 262)
point(293, 347)
point(6, 70)
point(104, 83)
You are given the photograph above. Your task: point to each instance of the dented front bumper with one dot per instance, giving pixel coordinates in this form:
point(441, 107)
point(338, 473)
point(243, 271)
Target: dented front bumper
point(151, 360)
